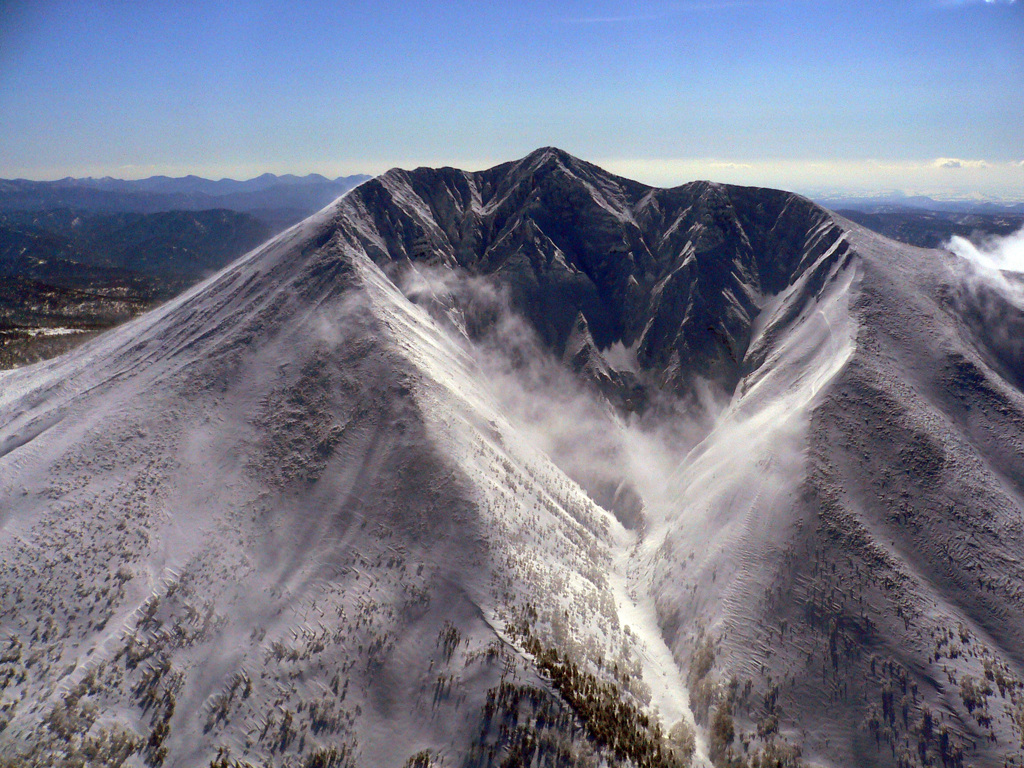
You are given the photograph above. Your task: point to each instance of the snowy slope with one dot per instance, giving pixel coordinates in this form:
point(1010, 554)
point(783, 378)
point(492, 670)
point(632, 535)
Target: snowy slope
point(282, 514)
point(535, 464)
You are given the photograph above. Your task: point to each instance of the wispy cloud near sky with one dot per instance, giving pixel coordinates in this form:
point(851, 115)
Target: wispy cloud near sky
point(941, 177)
point(795, 89)
point(957, 3)
point(673, 9)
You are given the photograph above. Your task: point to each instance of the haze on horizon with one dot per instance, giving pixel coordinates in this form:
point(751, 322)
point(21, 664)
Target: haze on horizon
point(923, 96)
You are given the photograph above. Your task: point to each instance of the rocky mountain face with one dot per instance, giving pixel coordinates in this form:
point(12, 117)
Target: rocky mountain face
point(531, 466)
point(678, 274)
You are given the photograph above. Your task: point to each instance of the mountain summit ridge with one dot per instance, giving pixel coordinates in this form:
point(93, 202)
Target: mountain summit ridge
point(634, 246)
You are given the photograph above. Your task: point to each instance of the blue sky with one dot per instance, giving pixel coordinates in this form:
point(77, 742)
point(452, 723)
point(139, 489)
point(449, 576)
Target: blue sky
point(923, 95)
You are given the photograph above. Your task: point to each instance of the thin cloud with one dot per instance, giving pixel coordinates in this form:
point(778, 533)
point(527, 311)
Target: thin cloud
point(675, 10)
point(943, 177)
point(966, 3)
point(955, 163)
point(616, 19)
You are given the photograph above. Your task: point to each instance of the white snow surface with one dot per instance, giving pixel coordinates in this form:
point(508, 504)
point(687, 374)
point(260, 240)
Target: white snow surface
point(285, 482)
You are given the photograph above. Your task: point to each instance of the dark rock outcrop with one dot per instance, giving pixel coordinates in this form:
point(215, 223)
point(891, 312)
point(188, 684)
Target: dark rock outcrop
point(677, 273)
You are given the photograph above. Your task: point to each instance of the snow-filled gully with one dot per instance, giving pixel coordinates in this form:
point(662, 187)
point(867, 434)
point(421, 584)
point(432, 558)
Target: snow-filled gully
point(670, 697)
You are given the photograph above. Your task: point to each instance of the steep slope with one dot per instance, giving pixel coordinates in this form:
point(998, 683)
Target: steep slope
point(863, 595)
point(850, 364)
point(278, 518)
point(299, 515)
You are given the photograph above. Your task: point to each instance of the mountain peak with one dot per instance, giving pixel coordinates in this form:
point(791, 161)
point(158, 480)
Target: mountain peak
point(547, 154)
point(553, 157)
point(554, 225)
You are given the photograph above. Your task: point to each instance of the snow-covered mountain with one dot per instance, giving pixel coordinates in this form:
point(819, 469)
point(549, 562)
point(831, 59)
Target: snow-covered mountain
point(531, 466)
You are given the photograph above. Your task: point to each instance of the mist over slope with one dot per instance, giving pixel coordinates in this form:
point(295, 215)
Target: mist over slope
point(534, 466)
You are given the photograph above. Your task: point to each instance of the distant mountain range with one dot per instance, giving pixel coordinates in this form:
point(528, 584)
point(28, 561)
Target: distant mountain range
point(66, 274)
point(79, 255)
point(192, 184)
point(896, 201)
point(278, 200)
point(933, 229)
